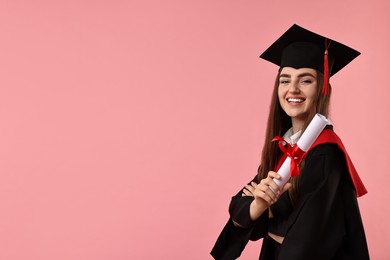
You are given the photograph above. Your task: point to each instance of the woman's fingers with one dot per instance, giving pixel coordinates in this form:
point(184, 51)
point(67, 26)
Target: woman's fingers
point(269, 182)
point(271, 191)
point(273, 175)
point(267, 189)
point(248, 189)
point(286, 187)
point(272, 194)
point(258, 193)
point(266, 192)
point(246, 192)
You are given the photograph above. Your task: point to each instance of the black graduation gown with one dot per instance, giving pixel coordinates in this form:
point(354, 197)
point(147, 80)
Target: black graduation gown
point(325, 223)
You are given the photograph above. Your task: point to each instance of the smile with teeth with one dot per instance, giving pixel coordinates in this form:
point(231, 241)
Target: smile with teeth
point(295, 100)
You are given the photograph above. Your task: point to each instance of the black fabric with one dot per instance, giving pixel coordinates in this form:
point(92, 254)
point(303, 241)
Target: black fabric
point(301, 48)
point(305, 55)
point(232, 240)
point(270, 249)
point(325, 224)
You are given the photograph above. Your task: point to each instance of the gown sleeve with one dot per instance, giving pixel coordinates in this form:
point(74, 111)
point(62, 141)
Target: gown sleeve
point(232, 240)
point(320, 226)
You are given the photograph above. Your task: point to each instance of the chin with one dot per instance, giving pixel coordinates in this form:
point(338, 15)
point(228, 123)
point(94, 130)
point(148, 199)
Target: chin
point(299, 116)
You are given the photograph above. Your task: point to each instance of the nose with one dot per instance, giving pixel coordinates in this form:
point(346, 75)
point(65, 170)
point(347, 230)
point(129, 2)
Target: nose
point(294, 88)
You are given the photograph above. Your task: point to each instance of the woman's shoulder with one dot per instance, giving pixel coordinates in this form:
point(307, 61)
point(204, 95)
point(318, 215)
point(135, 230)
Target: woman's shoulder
point(325, 149)
point(323, 163)
point(328, 143)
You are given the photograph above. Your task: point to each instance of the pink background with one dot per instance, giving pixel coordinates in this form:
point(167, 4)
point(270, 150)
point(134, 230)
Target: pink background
point(126, 126)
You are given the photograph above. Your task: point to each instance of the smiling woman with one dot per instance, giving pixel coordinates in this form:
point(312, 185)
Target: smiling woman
point(297, 93)
point(318, 217)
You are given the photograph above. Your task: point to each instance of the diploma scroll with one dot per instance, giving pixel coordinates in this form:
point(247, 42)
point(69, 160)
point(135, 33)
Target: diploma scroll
point(307, 139)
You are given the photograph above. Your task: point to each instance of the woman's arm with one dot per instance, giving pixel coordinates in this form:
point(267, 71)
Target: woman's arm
point(248, 218)
point(255, 200)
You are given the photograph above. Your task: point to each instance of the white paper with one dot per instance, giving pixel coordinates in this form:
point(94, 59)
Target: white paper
point(307, 139)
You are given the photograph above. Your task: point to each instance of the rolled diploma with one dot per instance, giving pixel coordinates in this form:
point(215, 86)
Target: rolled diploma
point(307, 139)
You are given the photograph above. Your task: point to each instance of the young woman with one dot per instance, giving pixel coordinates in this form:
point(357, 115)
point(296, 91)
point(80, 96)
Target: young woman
point(315, 215)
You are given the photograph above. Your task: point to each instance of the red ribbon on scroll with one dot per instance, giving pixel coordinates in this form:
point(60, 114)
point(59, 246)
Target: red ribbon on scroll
point(294, 152)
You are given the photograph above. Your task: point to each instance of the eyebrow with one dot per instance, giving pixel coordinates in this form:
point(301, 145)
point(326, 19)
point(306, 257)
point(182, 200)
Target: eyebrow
point(299, 76)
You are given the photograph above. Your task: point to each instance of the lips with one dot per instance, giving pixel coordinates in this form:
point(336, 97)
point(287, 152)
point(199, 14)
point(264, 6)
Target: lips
point(295, 100)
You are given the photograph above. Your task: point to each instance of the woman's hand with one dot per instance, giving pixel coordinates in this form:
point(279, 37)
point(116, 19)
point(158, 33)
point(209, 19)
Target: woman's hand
point(267, 189)
point(265, 193)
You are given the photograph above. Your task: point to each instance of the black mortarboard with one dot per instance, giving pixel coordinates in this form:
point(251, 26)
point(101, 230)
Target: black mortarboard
point(301, 48)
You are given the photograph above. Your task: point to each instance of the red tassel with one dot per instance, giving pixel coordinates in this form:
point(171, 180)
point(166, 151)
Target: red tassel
point(325, 89)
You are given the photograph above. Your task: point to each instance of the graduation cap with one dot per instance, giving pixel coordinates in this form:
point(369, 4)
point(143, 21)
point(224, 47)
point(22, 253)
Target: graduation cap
point(301, 48)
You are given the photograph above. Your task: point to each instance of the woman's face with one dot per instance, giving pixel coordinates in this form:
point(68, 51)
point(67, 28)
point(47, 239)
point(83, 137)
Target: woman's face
point(297, 90)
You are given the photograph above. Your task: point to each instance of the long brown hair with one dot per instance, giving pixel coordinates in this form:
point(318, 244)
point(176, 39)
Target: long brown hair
point(279, 122)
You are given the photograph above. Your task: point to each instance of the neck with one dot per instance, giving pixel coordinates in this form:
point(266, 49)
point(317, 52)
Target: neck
point(297, 125)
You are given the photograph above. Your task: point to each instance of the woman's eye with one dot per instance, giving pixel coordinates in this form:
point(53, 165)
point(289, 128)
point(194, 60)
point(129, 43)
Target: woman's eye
point(307, 81)
point(283, 82)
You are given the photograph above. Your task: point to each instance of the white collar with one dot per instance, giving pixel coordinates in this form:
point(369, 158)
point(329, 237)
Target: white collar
point(291, 138)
